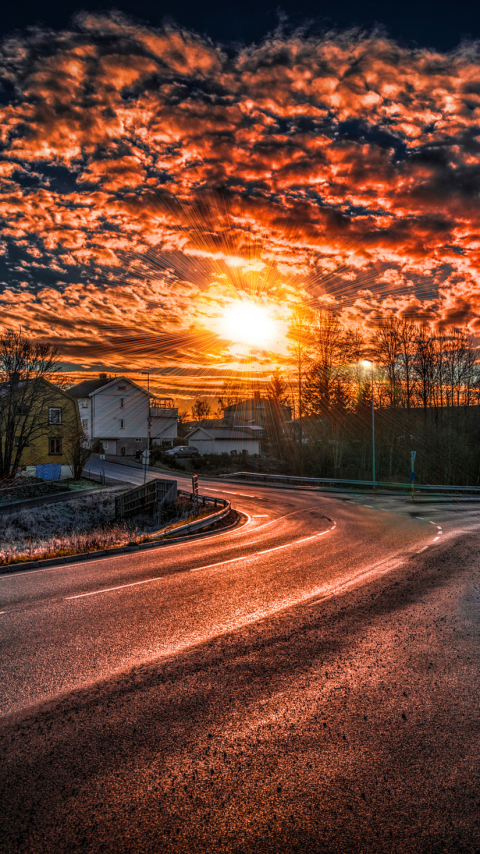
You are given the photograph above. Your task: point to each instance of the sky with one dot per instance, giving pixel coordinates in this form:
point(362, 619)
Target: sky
point(160, 162)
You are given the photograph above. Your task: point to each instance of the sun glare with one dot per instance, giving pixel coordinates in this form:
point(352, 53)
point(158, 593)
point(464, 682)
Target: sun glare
point(249, 323)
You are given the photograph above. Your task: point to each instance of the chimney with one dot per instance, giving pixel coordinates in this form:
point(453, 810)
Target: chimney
point(102, 376)
point(256, 396)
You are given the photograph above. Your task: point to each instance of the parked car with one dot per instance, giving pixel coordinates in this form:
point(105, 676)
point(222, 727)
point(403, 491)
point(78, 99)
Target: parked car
point(182, 451)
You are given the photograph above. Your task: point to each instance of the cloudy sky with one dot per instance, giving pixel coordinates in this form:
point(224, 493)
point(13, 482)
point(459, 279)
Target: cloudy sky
point(151, 175)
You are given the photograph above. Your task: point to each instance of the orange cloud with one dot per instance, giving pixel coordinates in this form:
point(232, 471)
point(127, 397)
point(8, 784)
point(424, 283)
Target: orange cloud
point(137, 162)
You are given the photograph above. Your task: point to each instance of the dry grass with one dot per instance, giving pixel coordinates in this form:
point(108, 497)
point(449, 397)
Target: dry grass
point(68, 527)
point(73, 527)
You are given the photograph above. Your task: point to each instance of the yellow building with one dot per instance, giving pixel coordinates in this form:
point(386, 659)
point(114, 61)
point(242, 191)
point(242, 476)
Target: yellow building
point(50, 420)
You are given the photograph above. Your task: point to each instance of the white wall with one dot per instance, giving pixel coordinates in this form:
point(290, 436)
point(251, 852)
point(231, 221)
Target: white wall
point(86, 415)
point(164, 427)
point(225, 446)
point(108, 413)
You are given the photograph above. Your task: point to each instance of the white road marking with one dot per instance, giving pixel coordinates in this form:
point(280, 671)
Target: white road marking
point(3, 612)
point(243, 494)
point(108, 589)
point(260, 516)
point(422, 550)
point(435, 539)
point(199, 568)
point(433, 523)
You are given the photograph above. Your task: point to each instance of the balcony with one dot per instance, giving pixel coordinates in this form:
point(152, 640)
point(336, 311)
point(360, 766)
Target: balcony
point(163, 407)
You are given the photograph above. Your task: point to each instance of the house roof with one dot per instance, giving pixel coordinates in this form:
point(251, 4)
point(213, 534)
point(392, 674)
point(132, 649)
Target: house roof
point(88, 387)
point(220, 430)
point(223, 423)
point(6, 389)
point(256, 403)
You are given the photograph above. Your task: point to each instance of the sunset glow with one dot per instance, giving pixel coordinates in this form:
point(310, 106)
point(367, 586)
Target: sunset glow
point(129, 221)
point(249, 323)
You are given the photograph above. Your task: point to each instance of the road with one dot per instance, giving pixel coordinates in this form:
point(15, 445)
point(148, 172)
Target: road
point(305, 682)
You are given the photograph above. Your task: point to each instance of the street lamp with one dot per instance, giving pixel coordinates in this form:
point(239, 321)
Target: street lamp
point(368, 364)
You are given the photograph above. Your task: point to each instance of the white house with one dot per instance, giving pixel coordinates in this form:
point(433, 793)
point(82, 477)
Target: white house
point(219, 437)
point(123, 415)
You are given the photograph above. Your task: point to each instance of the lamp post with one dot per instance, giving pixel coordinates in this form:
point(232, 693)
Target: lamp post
point(368, 364)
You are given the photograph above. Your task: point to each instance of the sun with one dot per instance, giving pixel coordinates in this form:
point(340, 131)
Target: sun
point(246, 322)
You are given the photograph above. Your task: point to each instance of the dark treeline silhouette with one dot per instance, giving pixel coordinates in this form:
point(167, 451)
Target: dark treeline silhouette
point(410, 367)
point(426, 395)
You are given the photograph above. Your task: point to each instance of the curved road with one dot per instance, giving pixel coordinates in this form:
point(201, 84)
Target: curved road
point(261, 689)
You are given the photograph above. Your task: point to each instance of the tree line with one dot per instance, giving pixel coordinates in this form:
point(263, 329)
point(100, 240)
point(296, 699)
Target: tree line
point(411, 366)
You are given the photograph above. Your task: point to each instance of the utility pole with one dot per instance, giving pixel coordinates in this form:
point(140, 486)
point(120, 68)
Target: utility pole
point(146, 452)
point(373, 435)
point(368, 364)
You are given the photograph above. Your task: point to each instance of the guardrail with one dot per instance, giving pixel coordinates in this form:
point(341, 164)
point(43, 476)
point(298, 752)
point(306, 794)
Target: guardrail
point(283, 478)
point(191, 527)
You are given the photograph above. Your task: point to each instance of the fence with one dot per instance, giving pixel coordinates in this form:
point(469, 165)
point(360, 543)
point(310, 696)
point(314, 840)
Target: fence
point(148, 498)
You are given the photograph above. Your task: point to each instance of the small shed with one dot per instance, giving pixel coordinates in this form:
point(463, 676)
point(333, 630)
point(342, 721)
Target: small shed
point(224, 439)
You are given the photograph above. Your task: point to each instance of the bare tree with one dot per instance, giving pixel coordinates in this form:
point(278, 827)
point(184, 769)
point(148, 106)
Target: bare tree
point(277, 388)
point(24, 367)
point(333, 352)
point(200, 409)
point(424, 364)
point(386, 345)
point(299, 335)
point(461, 369)
point(406, 332)
point(79, 450)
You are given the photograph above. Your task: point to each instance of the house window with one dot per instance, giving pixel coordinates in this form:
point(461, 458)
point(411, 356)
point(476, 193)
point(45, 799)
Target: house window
point(139, 440)
point(84, 404)
point(121, 402)
point(54, 415)
point(122, 424)
point(55, 446)
point(84, 423)
point(105, 446)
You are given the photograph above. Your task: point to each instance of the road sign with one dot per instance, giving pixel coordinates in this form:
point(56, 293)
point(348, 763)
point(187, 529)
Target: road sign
point(145, 457)
point(413, 454)
point(102, 456)
point(195, 484)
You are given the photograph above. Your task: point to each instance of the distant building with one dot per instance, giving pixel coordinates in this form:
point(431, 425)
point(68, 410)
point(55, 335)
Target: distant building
point(123, 415)
point(265, 412)
point(217, 436)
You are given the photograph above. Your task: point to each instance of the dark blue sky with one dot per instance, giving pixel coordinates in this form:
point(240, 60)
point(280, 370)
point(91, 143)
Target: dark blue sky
point(440, 24)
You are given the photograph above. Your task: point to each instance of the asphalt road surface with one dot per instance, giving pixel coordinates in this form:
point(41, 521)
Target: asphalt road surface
point(307, 682)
